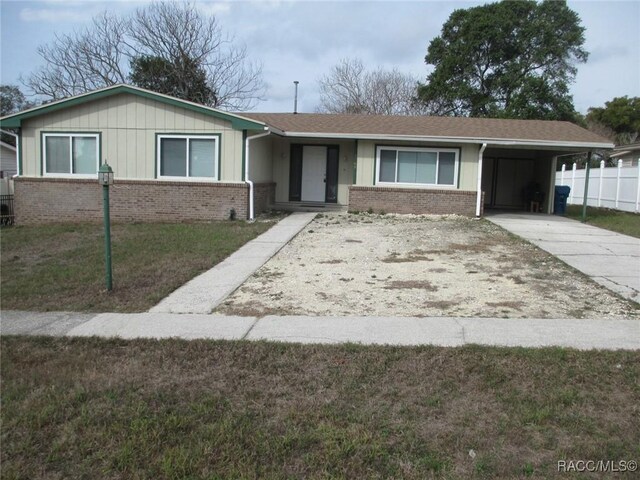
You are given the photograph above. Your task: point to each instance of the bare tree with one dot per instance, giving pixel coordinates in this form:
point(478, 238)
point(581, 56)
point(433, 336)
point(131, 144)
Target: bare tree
point(94, 57)
point(351, 88)
point(101, 54)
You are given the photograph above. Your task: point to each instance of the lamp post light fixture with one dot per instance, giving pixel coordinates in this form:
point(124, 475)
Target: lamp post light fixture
point(105, 178)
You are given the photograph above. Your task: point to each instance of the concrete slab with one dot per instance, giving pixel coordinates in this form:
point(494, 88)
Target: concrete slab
point(202, 294)
point(627, 287)
point(40, 323)
point(574, 333)
point(603, 265)
point(365, 330)
point(281, 235)
point(609, 258)
point(263, 249)
point(164, 325)
point(584, 237)
point(402, 331)
point(569, 248)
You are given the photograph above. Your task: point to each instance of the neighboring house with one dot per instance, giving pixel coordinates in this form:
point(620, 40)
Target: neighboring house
point(177, 160)
point(8, 160)
point(629, 154)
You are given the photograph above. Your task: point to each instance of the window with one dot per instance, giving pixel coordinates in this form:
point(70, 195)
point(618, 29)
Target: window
point(70, 154)
point(419, 166)
point(183, 156)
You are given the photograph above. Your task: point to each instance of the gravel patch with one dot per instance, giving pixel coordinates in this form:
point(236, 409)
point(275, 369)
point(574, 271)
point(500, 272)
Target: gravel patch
point(408, 265)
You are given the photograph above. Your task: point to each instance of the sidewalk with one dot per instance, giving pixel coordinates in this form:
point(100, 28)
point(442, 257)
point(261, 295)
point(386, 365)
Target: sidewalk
point(447, 332)
point(608, 258)
point(205, 292)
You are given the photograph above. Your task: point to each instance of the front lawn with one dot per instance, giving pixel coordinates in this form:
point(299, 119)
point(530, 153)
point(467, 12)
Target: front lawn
point(91, 408)
point(61, 267)
point(614, 220)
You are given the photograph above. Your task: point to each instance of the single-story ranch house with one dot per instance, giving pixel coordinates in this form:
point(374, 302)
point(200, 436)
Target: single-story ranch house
point(178, 160)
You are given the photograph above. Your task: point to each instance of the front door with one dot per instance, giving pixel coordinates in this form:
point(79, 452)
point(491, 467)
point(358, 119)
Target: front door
point(314, 173)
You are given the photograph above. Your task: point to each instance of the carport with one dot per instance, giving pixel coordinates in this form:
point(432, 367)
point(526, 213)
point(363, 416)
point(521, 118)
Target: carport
point(521, 179)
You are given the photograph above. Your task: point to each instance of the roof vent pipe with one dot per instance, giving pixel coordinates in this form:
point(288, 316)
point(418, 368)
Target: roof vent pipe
point(295, 98)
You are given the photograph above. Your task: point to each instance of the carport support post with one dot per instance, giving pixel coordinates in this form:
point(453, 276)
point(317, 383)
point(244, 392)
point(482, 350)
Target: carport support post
point(586, 188)
point(479, 186)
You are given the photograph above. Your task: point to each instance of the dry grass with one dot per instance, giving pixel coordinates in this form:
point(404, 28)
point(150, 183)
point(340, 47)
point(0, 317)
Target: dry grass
point(89, 408)
point(626, 223)
point(61, 267)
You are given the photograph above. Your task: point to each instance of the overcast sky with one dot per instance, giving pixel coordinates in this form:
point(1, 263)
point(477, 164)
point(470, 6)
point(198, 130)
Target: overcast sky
point(302, 40)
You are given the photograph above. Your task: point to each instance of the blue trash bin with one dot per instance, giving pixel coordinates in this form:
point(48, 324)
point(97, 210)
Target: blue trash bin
point(560, 199)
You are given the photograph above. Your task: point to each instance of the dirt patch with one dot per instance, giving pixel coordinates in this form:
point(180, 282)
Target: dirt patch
point(402, 284)
point(407, 265)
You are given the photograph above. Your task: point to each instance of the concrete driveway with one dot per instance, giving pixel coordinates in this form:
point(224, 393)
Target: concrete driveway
point(608, 258)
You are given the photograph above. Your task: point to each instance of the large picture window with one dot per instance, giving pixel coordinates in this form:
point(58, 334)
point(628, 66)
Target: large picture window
point(184, 156)
point(70, 154)
point(417, 166)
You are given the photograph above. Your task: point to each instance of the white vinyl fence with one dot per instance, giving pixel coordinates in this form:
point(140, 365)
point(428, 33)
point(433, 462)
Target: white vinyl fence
point(609, 187)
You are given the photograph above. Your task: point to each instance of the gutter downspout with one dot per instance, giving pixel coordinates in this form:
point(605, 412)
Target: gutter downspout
point(479, 194)
point(17, 137)
point(246, 169)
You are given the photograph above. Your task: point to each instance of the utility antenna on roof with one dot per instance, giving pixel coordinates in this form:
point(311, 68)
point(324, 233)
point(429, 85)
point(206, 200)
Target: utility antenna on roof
point(295, 98)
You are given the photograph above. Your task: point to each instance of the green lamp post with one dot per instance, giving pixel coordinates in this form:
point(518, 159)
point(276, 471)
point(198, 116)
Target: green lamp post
point(105, 178)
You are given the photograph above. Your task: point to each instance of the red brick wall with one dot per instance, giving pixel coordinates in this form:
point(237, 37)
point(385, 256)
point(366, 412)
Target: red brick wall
point(264, 195)
point(46, 200)
point(412, 200)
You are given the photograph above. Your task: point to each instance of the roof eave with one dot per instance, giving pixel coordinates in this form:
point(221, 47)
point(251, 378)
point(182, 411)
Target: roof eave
point(472, 140)
point(8, 145)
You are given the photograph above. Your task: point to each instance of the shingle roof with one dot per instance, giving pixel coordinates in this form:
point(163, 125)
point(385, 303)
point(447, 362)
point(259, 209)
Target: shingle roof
point(424, 126)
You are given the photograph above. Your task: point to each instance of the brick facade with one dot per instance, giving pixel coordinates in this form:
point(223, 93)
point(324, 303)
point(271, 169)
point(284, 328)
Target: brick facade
point(264, 196)
point(47, 200)
point(412, 200)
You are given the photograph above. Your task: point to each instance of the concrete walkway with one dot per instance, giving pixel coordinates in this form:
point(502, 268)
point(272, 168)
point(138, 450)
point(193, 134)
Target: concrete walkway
point(610, 259)
point(448, 332)
point(205, 292)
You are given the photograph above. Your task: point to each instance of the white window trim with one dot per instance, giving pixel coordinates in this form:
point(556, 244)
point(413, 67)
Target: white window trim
point(69, 136)
point(456, 166)
point(187, 178)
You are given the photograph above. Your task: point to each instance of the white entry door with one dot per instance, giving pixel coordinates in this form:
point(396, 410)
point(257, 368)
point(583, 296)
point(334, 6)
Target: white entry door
point(314, 172)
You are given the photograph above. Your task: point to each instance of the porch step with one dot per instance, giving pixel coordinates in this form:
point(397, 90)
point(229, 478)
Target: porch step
point(309, 207)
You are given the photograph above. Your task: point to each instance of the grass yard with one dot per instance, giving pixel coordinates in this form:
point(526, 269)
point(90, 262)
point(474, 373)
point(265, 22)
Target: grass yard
point(61, 267)
point(90, 408)
point(614, 220)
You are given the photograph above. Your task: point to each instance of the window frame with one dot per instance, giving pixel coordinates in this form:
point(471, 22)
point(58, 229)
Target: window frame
point(437, 150)
point(216, 137)
point(69, 135)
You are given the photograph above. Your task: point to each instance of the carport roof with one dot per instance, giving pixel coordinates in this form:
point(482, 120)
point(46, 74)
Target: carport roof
point(464, 129)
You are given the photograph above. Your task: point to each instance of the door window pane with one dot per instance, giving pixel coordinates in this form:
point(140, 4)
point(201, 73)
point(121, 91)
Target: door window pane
point(173, 157)
point(202, 158)
point(57, 152)
point(387, 165)
point(446, 170)
point(426, 167)
point(84, 155)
